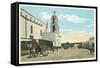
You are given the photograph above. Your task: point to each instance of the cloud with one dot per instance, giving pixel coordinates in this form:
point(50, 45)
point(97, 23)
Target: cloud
point(61, 16)
point(70, 31)
point(72, 18)
point(66, 30)
point(45, 16)
point(69, 18)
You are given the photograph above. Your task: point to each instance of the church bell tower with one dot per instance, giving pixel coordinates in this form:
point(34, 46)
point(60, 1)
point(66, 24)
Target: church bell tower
point(54, 34)
point(54, 27)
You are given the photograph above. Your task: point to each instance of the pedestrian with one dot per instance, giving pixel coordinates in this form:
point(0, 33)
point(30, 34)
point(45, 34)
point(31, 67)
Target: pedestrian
point(33, 52)
point(30, 50)
point(91, 49)
point(57, 49)
point(40, 50)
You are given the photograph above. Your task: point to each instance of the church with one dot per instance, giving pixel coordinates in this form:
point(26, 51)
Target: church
point(31, 30)
point(54, 34)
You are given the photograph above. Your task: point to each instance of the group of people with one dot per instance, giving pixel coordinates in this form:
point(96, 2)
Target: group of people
point(34, 50)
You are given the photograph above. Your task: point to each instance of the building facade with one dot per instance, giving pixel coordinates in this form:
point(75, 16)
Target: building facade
point(89, 44)
point(34, 33)
point(91, 41)
point(31, 27)
point(53, 35)
point(30, 32)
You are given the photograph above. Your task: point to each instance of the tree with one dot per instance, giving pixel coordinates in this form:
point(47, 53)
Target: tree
point(67, 43)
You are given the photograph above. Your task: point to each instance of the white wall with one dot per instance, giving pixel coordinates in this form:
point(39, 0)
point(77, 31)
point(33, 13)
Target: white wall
point(5, 34)
point(22, 22)
point(50, 36)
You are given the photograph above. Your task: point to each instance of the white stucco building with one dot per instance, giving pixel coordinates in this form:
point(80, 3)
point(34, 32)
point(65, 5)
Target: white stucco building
point(91, 41)
point(32, 28)
point(53, 35)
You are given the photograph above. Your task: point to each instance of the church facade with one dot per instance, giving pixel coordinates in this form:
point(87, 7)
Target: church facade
point(54, 34)
point(32, 29)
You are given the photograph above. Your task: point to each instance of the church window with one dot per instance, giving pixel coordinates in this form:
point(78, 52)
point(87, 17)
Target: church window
point(31, 30)
point(40, 32)
point(54, 28)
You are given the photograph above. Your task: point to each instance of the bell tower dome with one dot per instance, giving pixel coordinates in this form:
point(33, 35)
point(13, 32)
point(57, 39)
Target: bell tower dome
point(54, 27)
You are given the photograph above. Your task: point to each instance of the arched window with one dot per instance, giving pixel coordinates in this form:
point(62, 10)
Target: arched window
point(40, 32)
point(53, 28)
point(31, 29)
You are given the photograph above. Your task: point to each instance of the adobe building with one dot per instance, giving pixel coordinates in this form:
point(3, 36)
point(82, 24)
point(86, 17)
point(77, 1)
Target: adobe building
point(33, 32)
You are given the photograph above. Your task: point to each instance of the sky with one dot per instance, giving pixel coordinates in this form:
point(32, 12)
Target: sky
point(76, 24)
